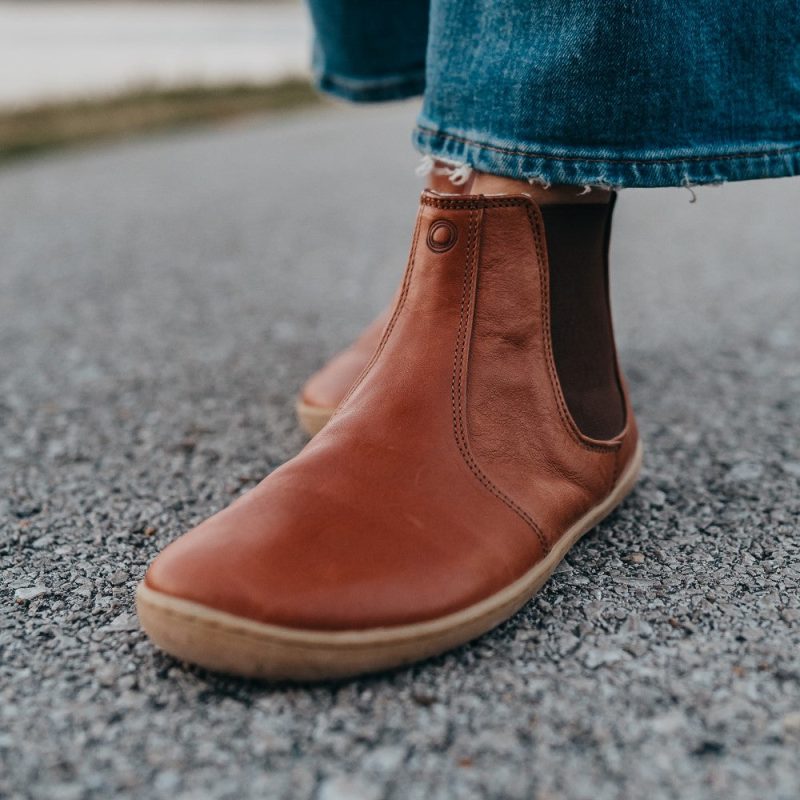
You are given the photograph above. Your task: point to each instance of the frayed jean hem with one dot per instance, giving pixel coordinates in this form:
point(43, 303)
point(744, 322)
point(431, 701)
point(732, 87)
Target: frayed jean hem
point(548, 165)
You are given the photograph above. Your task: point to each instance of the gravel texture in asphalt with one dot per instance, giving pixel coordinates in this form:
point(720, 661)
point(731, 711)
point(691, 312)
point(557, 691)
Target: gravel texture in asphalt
point(162, 300)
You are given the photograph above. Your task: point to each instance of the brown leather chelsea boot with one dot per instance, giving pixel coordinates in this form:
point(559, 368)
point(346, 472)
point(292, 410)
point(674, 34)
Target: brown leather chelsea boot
point(445, 490)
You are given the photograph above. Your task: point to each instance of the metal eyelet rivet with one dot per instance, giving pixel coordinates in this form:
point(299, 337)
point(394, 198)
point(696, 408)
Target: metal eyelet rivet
point(442, 235)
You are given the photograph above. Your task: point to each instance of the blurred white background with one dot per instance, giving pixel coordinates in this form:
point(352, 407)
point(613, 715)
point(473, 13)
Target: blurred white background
point(72, 49)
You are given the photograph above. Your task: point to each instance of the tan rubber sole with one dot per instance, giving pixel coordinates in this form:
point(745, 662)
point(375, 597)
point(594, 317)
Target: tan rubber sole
point(312, 418)
point(227, 643)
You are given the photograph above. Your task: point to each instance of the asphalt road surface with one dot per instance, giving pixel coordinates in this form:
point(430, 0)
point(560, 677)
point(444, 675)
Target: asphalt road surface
point(162, 300)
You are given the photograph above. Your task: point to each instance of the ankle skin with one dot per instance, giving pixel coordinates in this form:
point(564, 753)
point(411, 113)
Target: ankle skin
point(483, 183)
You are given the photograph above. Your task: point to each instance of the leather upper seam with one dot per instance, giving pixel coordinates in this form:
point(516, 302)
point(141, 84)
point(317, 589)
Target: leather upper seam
point(474, 203)
point(456, 395)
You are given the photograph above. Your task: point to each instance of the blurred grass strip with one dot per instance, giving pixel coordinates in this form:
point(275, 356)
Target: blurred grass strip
point(29, 131)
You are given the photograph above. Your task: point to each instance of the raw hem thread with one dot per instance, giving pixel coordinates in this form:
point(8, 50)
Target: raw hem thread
point(609, 172)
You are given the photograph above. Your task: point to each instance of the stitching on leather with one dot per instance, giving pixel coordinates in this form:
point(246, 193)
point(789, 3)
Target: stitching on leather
point(475, 204)
point(778, 151)
point(395, 314)
point(458, 416)
point(472, 202)
point(563, 412)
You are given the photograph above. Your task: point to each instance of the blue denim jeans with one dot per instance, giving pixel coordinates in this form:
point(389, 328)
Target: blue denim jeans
point(614, 93)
